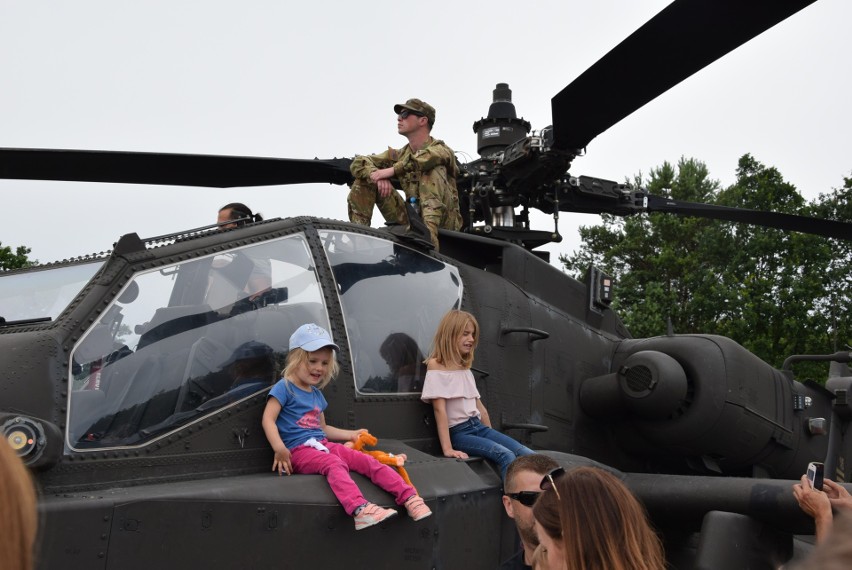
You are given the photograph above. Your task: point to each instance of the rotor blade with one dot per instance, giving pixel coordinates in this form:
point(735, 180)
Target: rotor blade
point(682, 39)
point(168, 169)
point(804, 224)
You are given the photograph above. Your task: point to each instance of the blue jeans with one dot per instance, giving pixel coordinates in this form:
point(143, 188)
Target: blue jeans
point(475, 438)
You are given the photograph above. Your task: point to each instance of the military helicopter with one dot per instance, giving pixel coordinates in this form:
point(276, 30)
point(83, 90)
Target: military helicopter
point(122, 387)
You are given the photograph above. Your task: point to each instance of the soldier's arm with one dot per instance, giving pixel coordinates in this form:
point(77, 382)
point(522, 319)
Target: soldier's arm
point(363, 166)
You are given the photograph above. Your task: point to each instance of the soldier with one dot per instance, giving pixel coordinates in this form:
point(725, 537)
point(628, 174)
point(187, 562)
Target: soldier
point(426, 169)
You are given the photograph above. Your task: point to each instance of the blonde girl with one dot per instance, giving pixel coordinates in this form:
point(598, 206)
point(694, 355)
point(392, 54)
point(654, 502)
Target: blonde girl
point(464, 427)
point(294, 424)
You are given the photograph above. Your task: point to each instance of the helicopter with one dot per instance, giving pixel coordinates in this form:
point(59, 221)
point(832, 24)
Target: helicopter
point(119, 370)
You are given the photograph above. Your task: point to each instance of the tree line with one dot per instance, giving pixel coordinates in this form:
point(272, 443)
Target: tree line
point(777, 293)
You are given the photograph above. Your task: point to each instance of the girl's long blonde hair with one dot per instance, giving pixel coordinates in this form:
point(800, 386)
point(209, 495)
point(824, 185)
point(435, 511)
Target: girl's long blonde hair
point(299, 356)
point(445, 347)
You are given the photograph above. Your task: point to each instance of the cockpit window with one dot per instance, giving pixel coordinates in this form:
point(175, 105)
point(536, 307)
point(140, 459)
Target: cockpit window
point(184, 340)
point(43, 293)
point(393, 298)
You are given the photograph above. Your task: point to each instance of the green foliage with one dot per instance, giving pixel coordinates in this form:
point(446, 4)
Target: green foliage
point(16, 259)
point(777, 293)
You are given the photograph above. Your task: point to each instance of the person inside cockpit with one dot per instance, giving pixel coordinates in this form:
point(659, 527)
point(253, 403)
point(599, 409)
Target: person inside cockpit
point(260, 279)
point(406, 362)
point(252, 368)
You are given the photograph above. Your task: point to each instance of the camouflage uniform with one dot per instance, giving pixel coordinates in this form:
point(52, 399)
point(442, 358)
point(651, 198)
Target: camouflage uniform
point(428, 174)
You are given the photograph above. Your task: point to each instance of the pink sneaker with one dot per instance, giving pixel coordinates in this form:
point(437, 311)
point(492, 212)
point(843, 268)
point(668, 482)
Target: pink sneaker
point(417, 509)
point(372, 514)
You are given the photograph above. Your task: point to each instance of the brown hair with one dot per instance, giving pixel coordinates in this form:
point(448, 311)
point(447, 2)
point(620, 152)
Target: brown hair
point(18, 519)
point(238, 210)
point(537, 463)
point(599, 523)
point(445, 347)
point(299, 356)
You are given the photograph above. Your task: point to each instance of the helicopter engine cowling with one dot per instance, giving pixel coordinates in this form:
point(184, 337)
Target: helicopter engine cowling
point(650, 385)
point(703, 403)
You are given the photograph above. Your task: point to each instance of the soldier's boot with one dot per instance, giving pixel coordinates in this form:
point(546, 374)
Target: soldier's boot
point(418, 232)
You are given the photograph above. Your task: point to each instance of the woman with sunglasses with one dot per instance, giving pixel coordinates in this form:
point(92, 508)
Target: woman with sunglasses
point(587, 519)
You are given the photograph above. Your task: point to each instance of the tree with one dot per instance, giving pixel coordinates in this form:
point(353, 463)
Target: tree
point(14, 260)
point(660, 262)
point(834, 307)
point(768, 289)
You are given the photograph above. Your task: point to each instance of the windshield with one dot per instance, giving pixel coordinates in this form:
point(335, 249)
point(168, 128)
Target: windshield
point(43, 293)
point(393, 298)
point(185, 340)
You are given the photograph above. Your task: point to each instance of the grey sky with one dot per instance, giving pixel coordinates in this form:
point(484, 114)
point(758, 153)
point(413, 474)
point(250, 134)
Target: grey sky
point(271, 78)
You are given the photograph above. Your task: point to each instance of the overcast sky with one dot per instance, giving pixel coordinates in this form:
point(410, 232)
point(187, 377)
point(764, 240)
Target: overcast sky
point(272, 78)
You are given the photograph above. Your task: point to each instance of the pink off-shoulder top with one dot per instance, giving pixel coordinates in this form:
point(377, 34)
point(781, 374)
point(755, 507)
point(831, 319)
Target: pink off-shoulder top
point(458, 388)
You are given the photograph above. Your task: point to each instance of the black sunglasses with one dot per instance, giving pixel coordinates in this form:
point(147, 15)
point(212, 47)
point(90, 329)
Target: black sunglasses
point(549, 480)
point(406, 112)
point(526, 498)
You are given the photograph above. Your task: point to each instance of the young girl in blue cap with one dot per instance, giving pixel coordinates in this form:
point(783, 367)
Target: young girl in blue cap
point(295, 426)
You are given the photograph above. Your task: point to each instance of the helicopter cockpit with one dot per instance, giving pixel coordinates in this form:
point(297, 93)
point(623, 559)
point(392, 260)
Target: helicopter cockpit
point(167, 350)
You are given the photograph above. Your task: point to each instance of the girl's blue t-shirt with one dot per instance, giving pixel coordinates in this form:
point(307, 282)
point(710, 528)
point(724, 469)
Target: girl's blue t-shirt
point(299, 419)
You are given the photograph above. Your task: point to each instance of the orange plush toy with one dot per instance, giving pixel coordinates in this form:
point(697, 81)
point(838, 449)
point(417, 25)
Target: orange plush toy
point(395, 461)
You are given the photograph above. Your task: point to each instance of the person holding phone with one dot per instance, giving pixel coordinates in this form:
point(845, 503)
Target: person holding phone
point(818, 504)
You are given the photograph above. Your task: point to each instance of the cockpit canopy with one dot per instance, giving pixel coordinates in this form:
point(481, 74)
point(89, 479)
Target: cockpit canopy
point(183, 341)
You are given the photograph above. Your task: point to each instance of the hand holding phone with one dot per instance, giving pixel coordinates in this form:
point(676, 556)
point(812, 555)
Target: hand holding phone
point(815, 475)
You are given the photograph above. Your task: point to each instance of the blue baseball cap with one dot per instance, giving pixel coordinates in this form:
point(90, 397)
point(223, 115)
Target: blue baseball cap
point(311, 337)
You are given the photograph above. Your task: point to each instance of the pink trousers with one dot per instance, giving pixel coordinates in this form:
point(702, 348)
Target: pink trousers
point(337, 464)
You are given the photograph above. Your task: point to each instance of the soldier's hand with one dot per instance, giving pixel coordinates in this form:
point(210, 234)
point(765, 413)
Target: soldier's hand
point(385, 188)
point(382, 174)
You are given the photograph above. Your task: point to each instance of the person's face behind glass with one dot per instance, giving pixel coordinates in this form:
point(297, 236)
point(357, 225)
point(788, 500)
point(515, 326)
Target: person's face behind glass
point(224, 216)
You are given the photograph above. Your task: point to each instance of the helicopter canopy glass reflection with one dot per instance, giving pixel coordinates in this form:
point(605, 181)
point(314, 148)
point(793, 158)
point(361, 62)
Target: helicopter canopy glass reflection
point(393, 298)
point(186, 339)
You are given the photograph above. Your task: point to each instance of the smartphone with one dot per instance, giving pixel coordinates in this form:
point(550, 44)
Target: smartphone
point(815, 475)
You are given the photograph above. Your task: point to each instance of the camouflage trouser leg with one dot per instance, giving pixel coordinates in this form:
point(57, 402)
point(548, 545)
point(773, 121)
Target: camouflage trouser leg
point(439, 208)
point(432, 212)
point(363, 195)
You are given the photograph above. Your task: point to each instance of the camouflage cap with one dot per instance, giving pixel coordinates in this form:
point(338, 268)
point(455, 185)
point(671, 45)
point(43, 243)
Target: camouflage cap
point(417, 106)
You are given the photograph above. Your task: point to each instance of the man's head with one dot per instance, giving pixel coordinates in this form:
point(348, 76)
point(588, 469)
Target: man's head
point(522, 486)
point(417, 108)
point(236, 211)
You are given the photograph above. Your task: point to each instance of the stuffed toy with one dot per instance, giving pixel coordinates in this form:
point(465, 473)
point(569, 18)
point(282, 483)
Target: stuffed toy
point(395, 461)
